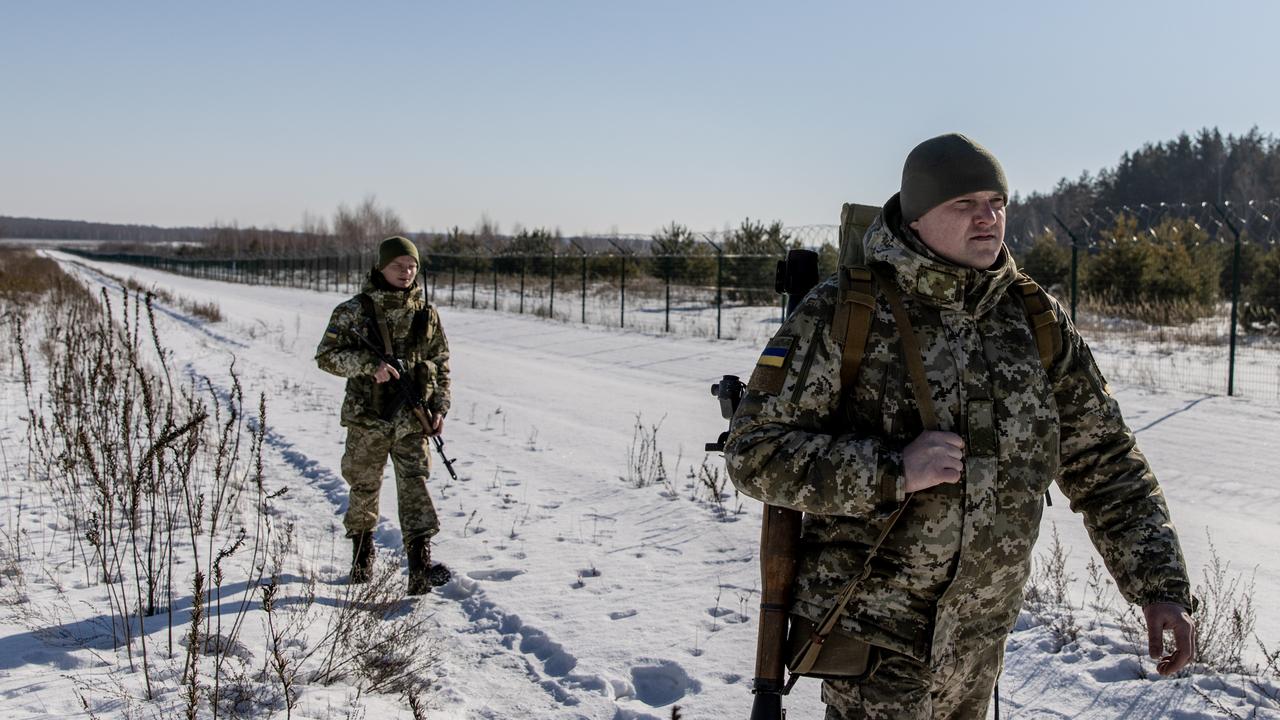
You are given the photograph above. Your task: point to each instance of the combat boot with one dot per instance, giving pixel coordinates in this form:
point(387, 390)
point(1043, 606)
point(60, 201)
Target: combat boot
point(422, 574)
point(361, 558)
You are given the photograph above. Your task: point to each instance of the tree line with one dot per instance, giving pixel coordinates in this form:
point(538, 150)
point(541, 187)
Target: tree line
point(1205, 168)
point(1141, 254)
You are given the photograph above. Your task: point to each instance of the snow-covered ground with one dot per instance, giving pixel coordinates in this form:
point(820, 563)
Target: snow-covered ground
point(578, 595)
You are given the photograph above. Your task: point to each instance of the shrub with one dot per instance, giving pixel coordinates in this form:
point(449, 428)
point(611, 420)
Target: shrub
point(1170, 264)
point(1047, 262)
point(1263, 295)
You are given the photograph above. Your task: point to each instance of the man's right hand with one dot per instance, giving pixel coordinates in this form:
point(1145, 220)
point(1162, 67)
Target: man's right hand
point(934, 458)
point(384, 373)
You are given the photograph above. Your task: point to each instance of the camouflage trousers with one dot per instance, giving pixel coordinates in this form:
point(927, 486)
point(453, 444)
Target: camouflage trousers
point(362, 465)
point(901, 688)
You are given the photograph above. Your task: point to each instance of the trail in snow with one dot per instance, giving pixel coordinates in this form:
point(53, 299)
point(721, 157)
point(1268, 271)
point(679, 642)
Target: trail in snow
point(576, 595)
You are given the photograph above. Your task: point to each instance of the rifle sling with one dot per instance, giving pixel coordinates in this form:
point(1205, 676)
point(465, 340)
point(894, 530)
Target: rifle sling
point(371, 310)
point(911, 353)
point(804, 661)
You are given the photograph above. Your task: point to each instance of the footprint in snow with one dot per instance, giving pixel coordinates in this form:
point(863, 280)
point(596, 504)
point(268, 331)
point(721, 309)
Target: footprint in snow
point(622, 614)
point(497, 575)
point(662, 683)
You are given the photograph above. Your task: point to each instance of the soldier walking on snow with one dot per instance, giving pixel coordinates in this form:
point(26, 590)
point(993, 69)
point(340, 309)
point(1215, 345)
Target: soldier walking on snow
point(950, 458)
point(392, 308)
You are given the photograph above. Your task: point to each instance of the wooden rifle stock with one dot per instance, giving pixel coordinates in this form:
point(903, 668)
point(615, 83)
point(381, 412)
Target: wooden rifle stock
point(779, 540)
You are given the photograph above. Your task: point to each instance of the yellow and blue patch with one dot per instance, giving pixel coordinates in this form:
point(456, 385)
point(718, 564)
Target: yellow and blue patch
point(332, 332)
point(773, 357)
point(770, 372)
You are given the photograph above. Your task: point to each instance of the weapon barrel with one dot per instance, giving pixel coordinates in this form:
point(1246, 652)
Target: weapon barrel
point(767, 706)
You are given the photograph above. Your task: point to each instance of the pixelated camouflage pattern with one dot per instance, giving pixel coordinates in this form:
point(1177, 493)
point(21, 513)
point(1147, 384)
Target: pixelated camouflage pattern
point(426, 356)
point(370, 439)
point(901, 688)
point(949, 578)
point(362, 466)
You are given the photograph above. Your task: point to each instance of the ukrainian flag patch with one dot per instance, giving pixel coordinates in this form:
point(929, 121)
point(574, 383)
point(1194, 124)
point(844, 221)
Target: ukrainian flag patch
point(332, 332)
point(769, 375)
point(776, 352)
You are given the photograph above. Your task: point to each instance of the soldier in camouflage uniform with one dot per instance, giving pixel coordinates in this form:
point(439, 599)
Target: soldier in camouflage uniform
point(946, 585)
point(418, 340)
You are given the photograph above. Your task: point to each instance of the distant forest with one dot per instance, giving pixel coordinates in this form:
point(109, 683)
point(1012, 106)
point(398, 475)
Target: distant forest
point(1192, 170)
point(1206, 167)
point(43, 229)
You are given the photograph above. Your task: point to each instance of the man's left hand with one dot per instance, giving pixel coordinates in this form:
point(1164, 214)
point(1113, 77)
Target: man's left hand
point(1164, 616)
point(437, 423)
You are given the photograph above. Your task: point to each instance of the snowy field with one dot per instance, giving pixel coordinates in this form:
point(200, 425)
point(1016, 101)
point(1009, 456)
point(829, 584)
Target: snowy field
point(576, 594)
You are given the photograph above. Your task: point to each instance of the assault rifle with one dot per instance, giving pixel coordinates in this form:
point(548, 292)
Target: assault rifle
point(407, 393)
point(780, 529)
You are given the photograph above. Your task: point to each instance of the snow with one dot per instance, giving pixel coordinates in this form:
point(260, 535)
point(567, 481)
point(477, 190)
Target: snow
point(577, 594)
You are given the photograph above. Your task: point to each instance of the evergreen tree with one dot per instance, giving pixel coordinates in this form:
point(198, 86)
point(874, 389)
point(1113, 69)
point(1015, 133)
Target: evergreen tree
point(682, 257)
point(752, 254)
point(1262, 309)
point(1047, 261)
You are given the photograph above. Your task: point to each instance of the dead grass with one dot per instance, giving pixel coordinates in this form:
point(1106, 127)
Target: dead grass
point(25, 277)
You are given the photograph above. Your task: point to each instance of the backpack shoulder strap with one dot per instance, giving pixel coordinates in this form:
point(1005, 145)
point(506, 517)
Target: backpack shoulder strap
point(371, 310)
point(1040, 317)
point(852, 324)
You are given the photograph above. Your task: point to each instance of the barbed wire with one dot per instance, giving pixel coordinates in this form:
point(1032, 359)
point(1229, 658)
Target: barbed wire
point(1255, 222)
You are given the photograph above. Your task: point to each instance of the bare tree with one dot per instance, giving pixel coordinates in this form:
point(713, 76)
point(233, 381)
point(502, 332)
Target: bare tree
point(366, 223)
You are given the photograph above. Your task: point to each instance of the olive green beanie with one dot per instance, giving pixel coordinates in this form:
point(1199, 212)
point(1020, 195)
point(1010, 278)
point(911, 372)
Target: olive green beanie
point(394, 247)
point(944, 167)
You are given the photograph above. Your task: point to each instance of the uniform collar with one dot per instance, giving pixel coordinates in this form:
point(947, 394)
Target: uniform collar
point(926, 276)
point(389, 298)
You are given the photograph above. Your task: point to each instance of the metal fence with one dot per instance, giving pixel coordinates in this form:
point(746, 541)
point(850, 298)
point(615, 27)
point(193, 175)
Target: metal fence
point(1208, 354)
point(664, 293)
point(711, 293)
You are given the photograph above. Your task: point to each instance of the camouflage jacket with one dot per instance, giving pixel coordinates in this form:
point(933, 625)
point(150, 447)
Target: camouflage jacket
point(426, 355)
point(951, 573)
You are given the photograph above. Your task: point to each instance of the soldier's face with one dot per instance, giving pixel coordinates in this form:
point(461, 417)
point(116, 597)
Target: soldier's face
point(967, 230)
point(401, 271)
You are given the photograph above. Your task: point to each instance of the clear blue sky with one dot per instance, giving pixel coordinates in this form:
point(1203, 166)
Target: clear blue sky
point(590, 115)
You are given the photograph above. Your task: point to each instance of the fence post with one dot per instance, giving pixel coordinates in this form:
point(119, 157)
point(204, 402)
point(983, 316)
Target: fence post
point(1075, 265)
point(1235, 299)
point(622, 318)
point(493, 263)
point(719, 283)
point(475, 278)
point(584, 278)
point(552, 311)
point(453, 282)
point(522, 262)
point(666, 315)
point(670, 260)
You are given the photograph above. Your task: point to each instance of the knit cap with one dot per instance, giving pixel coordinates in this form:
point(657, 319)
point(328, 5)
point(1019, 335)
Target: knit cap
point(945, 167)
point(394, 247)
